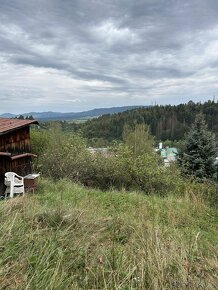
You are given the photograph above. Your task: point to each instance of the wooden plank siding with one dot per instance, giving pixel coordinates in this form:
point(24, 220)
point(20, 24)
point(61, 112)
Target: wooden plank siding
point(21, 166)
point(15, 142)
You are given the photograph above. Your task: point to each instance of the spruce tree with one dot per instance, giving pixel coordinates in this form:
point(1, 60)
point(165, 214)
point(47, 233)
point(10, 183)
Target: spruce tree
point(197, 158)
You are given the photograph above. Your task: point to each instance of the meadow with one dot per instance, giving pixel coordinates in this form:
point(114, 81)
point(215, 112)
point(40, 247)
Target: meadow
point(67, 236)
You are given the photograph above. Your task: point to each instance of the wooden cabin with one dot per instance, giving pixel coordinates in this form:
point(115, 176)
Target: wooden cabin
point(15, 153)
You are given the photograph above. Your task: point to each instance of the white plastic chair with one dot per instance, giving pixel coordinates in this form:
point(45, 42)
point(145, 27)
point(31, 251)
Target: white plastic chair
point(14, 183)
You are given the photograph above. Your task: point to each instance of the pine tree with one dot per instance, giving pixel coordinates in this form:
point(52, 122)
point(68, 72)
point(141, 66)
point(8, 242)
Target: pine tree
point(197, 158)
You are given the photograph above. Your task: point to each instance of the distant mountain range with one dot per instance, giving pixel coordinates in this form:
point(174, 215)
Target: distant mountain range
point(53, 116)
point(7, 115)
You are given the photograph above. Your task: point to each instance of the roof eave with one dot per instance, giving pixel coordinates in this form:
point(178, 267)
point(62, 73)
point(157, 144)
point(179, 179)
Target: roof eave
point(19, 127)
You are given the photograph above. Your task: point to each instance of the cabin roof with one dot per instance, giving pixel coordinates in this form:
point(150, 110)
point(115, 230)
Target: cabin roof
point(7, 125)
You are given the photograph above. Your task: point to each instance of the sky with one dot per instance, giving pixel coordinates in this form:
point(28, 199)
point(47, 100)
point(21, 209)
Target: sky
point(75, 55)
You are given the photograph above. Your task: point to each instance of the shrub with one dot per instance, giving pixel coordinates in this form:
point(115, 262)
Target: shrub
point(147, 172)
point(132, 165)
point(63, 156)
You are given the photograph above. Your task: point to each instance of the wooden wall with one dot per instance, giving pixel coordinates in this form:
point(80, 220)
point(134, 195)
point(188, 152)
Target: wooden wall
point(21, 166)
point(15, 142)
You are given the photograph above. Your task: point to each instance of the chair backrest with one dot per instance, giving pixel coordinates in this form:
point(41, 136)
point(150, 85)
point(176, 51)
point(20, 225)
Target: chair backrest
point(13, 178)
point(10, 176)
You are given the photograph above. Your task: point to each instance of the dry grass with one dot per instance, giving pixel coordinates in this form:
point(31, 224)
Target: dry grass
point(69, 237)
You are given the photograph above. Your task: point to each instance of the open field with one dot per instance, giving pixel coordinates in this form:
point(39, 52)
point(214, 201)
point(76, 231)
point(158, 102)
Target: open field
point(70, 237)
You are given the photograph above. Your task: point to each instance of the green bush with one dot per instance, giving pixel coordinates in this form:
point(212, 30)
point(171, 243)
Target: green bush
point(131, 165)
point(62, 155)
point(147, 173)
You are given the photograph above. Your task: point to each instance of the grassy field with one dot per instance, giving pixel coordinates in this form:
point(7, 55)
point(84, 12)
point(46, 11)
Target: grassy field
point(69, 237)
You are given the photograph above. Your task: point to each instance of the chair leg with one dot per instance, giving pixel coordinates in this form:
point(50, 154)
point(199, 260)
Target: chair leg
point(6, 193)
point(11, 191)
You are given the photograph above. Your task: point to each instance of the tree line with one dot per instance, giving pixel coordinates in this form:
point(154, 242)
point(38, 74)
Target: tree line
point(169, 122)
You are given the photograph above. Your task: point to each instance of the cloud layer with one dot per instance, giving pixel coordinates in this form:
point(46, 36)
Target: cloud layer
point(73, 55)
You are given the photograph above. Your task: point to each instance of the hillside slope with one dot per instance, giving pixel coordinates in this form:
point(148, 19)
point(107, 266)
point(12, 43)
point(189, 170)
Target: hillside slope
point(69, 237)
point(165, 122)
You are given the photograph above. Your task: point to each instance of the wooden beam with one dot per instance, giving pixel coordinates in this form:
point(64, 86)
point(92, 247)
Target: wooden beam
point(23, 155)
point(5, 154)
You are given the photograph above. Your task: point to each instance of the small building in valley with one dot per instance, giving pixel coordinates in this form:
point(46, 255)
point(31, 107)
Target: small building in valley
point(15, 153)
point(168, 154)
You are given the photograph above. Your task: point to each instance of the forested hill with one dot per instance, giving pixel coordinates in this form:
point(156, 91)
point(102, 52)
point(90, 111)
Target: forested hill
point(166, 122)
point(58, 116)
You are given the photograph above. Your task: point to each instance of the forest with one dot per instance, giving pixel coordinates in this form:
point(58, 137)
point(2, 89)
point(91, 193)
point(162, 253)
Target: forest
point(169, 122)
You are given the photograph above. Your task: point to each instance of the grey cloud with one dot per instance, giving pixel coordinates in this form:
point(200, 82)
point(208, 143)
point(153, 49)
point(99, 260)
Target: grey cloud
point(109, 46)
point(158, 72)
point(77, 73)
point(36, 61)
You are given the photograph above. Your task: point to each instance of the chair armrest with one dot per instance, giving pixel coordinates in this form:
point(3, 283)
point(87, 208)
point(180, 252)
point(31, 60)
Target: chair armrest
point(18, 177)
point(18, 180)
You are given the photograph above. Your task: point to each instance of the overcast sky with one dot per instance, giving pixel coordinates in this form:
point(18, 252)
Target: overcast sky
point(74, 55)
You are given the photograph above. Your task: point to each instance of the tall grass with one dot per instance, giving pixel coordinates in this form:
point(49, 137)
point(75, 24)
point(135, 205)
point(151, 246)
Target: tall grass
point(69, 237)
